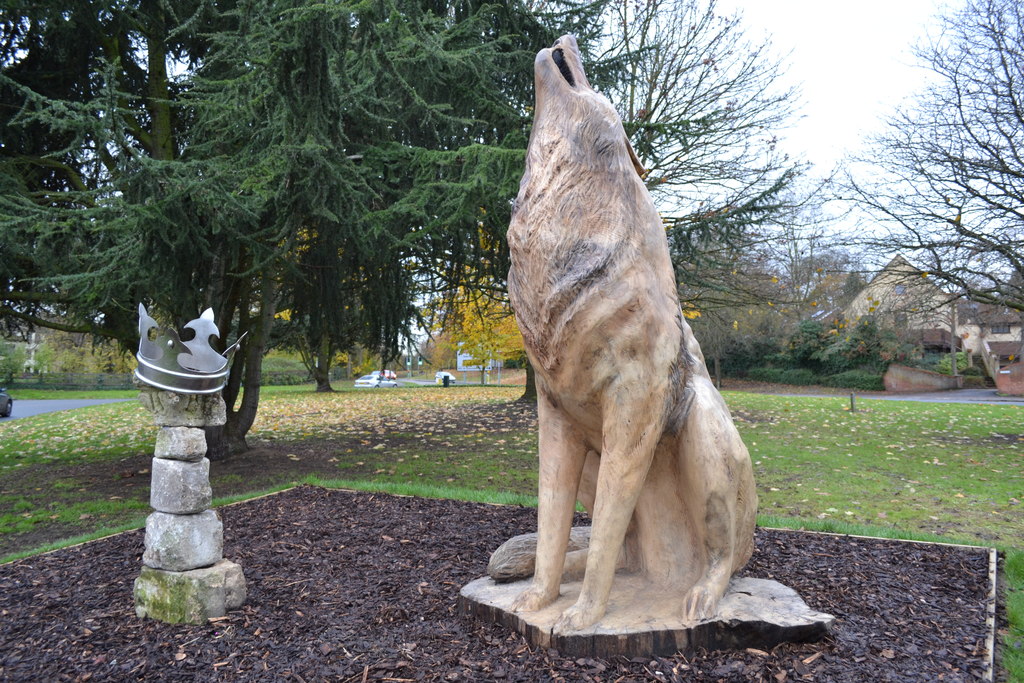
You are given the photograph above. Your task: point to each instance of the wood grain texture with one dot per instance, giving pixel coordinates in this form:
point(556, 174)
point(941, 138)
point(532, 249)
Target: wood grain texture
point(629, 421)
point(754, 613)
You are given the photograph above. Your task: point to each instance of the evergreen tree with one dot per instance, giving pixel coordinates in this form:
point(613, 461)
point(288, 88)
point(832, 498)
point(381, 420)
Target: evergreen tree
point(333, 159)
point(89, 101)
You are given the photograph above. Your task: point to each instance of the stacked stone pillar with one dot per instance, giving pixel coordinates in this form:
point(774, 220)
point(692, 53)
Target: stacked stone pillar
point(185, 578)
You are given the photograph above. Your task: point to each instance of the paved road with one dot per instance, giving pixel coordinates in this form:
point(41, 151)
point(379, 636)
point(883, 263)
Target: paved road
point(988, 396)
point(29, 408)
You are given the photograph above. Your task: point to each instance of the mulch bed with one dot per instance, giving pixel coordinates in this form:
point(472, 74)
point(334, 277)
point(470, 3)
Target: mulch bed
point(362, 587)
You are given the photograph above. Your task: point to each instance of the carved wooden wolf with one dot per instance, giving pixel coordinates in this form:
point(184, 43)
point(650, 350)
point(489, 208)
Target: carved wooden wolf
point(630, 423)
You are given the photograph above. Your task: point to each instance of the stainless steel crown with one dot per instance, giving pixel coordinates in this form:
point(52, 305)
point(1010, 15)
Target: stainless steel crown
point(185, 367)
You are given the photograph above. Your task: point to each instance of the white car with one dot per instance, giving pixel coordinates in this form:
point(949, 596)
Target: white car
point(439, 377)
point(375, 381)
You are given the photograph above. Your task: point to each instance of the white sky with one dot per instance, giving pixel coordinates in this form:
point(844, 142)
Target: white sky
point(851, 60)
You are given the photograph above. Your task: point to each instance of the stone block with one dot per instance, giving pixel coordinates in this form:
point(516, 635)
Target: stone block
point(180, 488)
point(183, 410)
point(235, 590)
point(189, 597)
point(180, 443)
point(182, 542)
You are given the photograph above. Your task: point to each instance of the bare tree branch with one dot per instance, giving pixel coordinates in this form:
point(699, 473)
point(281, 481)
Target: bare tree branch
point(946, 178)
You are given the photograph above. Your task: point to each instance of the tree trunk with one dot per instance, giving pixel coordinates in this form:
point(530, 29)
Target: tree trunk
point(158, 91)
point(530, 394)
point(223, 442)
point(718, 373)
point(322, 367)
point(217, 443)
point(952, 342)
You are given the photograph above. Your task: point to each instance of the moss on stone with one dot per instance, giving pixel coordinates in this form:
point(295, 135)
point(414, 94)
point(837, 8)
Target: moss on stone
point(180, 597)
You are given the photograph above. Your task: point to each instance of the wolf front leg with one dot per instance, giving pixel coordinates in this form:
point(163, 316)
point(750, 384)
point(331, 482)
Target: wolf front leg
point(562, 454)
point(629, 443)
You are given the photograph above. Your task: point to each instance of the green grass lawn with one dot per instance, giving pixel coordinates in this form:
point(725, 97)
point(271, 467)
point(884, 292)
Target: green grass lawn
point(953, 470)
point(904, 469)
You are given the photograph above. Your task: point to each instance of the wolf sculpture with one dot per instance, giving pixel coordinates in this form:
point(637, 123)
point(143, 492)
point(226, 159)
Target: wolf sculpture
point(630, 423)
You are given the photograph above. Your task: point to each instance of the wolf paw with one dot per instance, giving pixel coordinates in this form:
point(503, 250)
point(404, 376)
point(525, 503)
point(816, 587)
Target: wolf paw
point(700, 604)
point(533, 599)
point(577, 618)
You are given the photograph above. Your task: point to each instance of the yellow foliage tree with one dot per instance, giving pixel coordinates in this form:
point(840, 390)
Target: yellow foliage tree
point(483, 327)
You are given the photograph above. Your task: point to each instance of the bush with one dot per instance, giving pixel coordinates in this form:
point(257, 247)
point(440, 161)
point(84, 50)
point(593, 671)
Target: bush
point(945, 363)
point(276, 361)
point(777, 361)
point(772, 375)
point(856, 379)
point(800, 376)
point(807, 345)
point(857, 345)
point(973, 381)
point(279, 379)
point(973, 371)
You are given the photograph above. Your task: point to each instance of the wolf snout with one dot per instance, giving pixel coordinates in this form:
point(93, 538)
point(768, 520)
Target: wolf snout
point(558, 55)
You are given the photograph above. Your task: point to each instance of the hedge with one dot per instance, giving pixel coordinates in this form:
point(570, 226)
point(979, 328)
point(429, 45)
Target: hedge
point(851, 379)
point(798, 376)
point(855, 379)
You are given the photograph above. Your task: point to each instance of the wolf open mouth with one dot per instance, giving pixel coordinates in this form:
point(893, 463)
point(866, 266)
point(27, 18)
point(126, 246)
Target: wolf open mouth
point(559, 57)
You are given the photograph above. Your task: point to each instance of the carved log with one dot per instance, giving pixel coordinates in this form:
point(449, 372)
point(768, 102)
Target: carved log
point(630, 423)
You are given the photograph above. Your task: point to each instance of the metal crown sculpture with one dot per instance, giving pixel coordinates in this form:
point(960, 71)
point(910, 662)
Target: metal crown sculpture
point(187, 367)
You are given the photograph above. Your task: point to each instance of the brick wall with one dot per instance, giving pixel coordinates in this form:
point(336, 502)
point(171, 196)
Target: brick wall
point(900, 378)
point(1010, 380)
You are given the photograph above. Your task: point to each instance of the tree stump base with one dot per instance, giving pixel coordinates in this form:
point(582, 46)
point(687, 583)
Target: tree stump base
point(755, 613)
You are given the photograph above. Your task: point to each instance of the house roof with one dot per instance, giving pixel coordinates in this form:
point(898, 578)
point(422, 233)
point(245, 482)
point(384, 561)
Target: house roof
point(934, 336)
point(987, 314)
point(1005, 348)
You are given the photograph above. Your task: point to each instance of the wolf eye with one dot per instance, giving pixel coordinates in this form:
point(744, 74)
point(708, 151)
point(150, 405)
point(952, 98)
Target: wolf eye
point(559, 57)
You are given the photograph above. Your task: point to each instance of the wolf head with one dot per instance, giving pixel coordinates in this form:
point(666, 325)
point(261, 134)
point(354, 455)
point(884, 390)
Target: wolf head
point(569, 112)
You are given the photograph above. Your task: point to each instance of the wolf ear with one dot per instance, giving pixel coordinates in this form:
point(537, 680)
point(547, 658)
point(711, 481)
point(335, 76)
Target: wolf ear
point(641, 171)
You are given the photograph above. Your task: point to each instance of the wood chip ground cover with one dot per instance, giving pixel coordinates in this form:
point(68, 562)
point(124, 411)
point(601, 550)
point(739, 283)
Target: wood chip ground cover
point(362, 587)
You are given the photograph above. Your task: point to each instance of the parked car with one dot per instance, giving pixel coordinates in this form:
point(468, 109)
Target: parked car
point(440, 375)
point(375, 381)
point(6, 403)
